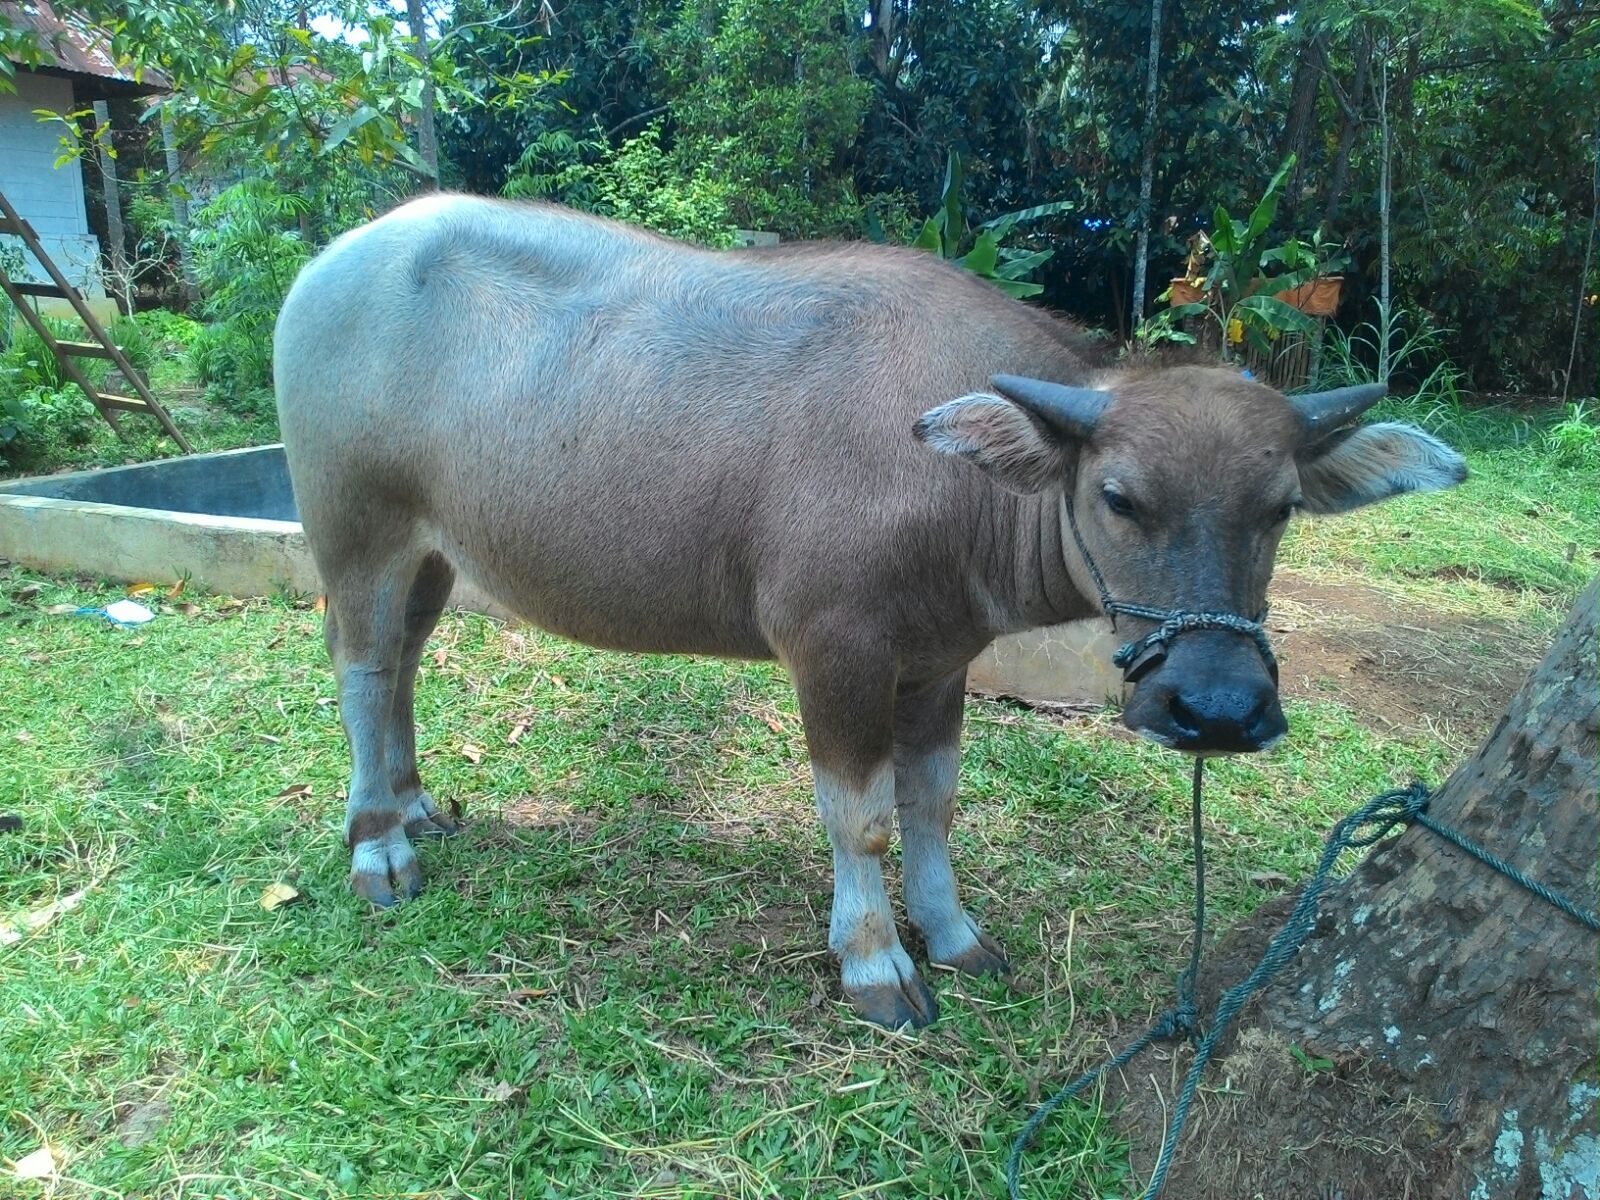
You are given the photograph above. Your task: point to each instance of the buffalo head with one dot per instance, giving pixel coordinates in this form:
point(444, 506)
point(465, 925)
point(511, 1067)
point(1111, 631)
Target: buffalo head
point(1181, 483)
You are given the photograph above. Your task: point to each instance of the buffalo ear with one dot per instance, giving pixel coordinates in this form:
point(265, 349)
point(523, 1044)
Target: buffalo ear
point(999, 437)
point(1370, 463)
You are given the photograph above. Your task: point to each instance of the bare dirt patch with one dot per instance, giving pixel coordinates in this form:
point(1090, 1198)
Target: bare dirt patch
point(1401, 665)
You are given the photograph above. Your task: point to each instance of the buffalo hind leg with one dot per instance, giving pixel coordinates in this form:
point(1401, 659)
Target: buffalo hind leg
point(365, 629)
point(429, 592)
point(927, 759)
point(846, 694)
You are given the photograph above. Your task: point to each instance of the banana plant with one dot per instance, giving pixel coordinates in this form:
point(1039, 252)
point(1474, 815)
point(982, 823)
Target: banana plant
point(1240, 288)
point(982, 252)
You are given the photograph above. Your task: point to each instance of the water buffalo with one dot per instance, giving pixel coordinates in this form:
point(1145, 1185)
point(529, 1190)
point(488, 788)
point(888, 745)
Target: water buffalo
point(854, 459)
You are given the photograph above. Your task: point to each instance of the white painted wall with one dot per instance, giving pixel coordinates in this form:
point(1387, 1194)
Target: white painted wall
point(48, 197)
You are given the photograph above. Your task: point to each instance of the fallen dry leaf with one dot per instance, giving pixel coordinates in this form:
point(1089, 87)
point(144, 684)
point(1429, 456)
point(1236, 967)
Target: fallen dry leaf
point(188, 608)
point(321, 605)
point(439, 656)
point(775, 725)
point(521, 994)
point(517, 730)
point(502, 1092)
point(176, 589)
point(294, 791)
point(141, 589)
point(559, 682)
point(27, 594)
point(18, 927)
point(473, 754)
point(1268, 878)
point(275, 895)
point(41, 1164)
point(59, 610)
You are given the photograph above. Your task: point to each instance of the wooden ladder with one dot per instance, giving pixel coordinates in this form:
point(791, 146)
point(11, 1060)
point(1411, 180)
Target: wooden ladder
point(109, 404)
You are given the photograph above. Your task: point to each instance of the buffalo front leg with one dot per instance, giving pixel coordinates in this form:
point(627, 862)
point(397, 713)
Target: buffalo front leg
point(927, 759)
point(846, 696)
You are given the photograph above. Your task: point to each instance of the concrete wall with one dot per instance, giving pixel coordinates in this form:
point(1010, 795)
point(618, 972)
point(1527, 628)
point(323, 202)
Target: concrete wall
point(50, 198)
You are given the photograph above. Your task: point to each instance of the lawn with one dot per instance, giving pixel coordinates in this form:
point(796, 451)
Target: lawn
point(616, 983)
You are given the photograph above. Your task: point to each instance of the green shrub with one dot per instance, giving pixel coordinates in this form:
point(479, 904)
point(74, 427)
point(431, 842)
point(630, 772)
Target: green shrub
point(34, 420)
point(638, 183)
point(1575, 440)
point(137, 346)
point(28, 362)
point(171, 330)
point(230, 363)
point(247, 251)
point(1423, 379)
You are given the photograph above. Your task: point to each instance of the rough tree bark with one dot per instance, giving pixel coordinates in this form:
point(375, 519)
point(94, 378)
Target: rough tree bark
point(179, 199)
point(1385, 207)
point(1351, 104)
point(1303, 91)
point(1436, 1037)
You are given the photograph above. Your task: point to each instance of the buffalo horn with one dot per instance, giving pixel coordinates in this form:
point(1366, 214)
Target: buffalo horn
point(1323, 412)
point(1070, 411)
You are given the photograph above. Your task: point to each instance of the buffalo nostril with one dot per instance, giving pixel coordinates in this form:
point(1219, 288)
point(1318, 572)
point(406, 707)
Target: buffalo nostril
point(1188, 722)
point(1236, 718)
point(1267, 724)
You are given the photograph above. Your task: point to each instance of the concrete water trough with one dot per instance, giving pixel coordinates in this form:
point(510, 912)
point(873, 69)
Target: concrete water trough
point(227, 523)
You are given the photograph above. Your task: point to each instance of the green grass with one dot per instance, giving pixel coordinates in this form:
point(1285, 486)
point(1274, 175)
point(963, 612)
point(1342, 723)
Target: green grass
point(615, 984)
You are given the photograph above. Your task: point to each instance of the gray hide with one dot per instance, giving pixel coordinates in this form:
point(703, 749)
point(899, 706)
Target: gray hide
point(651, 447)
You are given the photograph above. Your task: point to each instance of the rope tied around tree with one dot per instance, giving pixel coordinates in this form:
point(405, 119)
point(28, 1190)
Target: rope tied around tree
point(1368, 825)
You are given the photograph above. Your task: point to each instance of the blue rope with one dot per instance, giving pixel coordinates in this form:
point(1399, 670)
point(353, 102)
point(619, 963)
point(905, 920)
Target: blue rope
point(1370, 823)
point(1582, 915)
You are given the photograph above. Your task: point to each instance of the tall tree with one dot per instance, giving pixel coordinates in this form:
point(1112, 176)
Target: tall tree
point(427, 137)
point(1141, 256)
point(771, 94)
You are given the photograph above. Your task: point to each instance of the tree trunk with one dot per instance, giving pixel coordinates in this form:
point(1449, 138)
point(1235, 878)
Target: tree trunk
point(1444, 1017)
point(116, 237)
point(1141, 252)
point(1352, 123)
point(179, 200)
point(1385, 205)
point(427, 137)
point(1303, 91)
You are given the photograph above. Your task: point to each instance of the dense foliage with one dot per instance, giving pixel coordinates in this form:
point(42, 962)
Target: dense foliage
point(805, 118)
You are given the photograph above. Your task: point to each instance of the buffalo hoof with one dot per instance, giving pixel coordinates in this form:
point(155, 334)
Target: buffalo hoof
point(896, 1006)
point(385, 871)
point(983, 957)
point(424, 819)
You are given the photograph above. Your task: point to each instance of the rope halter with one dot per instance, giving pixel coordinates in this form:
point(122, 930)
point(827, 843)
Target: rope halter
point(1139, 657)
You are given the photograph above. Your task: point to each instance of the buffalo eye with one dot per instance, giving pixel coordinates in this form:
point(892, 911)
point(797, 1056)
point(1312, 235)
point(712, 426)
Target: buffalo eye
point(1117, 502)
point(1287, 511)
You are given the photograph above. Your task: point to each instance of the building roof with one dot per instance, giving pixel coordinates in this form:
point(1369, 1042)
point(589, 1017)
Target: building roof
point(75, 49)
